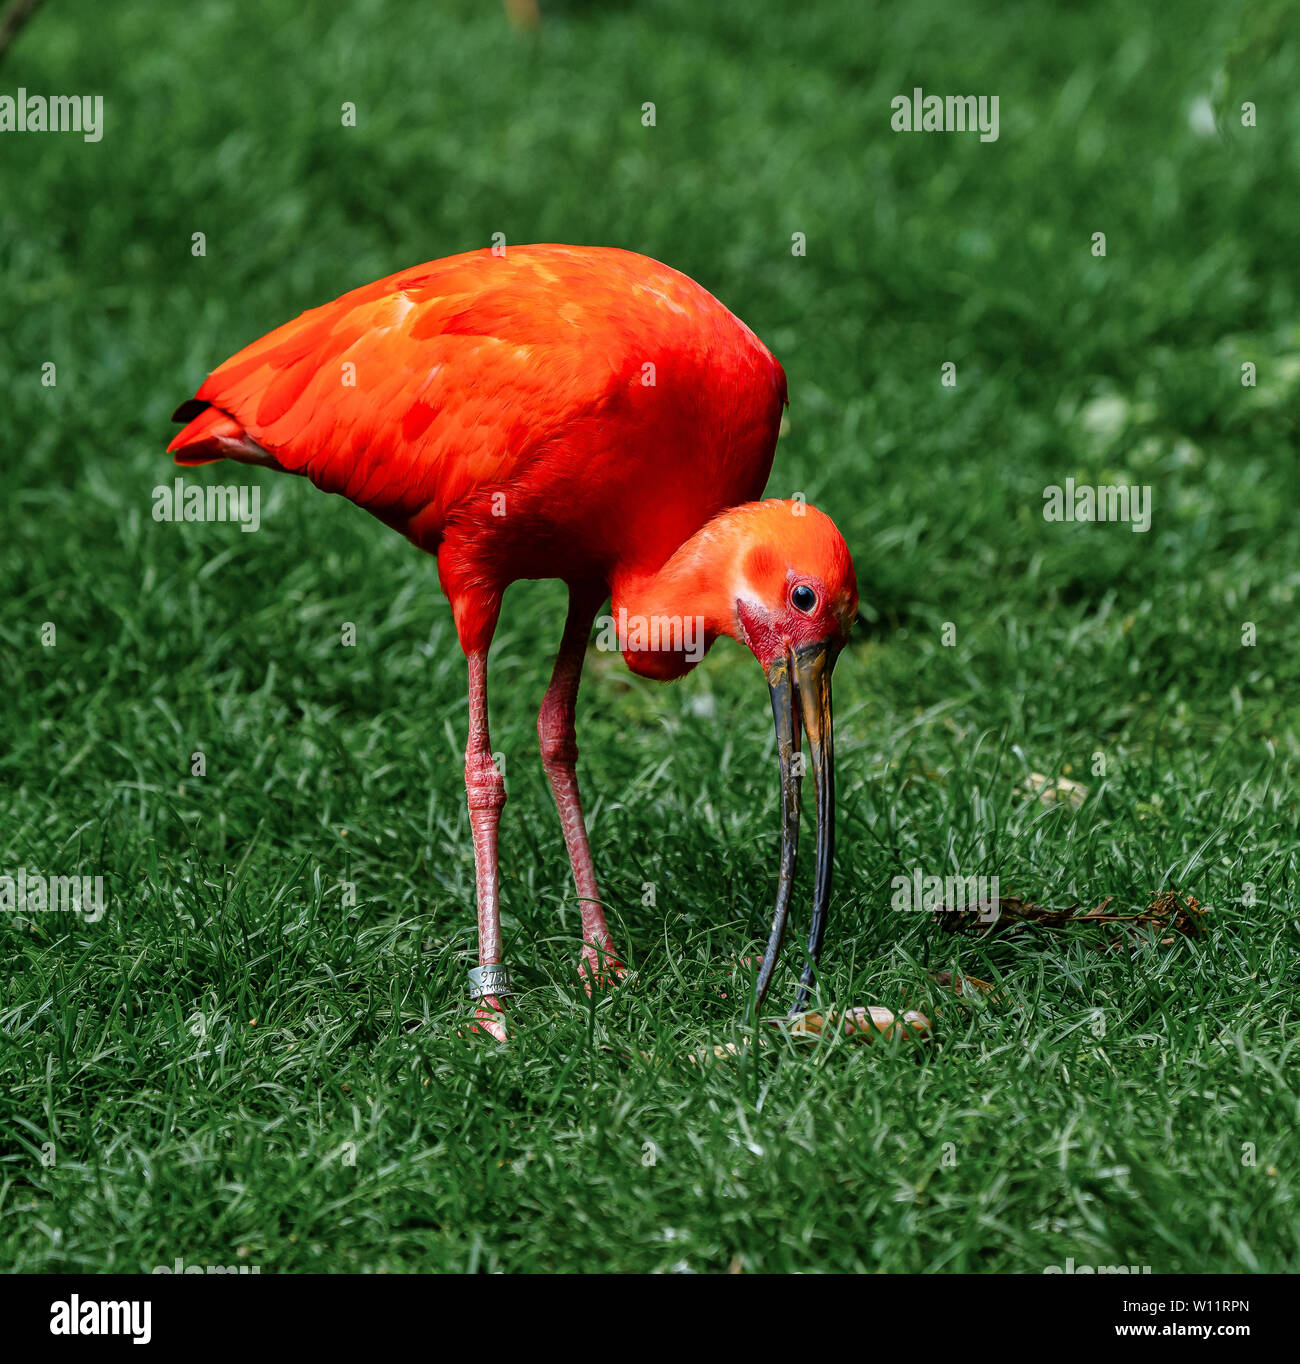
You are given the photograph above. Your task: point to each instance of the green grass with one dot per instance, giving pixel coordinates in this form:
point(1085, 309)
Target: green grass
point(236, 1066)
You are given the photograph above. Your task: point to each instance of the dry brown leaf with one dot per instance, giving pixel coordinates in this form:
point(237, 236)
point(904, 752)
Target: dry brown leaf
point(1168, 910)
point(964, 986)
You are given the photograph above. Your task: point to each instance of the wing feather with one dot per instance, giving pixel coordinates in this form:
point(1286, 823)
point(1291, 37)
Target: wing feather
point(414, 393)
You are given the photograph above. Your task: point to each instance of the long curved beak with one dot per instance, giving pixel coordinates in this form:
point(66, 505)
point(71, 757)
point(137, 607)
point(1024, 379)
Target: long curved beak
point(800, 683)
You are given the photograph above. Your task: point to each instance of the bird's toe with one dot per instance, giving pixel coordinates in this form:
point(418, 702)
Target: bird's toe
point(600, 968)
point(490, 1018)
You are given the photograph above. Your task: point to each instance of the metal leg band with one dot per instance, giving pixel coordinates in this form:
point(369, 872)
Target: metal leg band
point(489, 980)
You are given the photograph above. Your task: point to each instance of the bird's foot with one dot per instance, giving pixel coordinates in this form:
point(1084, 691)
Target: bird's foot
point(489, 982)
point(490, 1017)
point(600, 967)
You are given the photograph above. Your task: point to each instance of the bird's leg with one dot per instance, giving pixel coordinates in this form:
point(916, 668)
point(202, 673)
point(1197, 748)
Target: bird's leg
point(485, 791)
point(555, 730)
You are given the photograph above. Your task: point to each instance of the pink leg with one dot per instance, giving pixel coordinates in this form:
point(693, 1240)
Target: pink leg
point(485, 790)
point(555, 730)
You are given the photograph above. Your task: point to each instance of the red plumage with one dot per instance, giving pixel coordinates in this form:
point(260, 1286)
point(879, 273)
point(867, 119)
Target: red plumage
point(558, 411)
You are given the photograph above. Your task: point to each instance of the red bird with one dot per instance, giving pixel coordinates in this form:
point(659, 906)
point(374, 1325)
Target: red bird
point(567, 412)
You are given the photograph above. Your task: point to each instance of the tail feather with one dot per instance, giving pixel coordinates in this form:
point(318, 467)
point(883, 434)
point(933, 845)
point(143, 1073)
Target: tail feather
point(212, 434)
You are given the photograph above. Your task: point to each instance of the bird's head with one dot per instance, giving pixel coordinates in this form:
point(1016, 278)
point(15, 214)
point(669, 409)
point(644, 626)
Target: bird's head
point(795, 600)
point(778, 578)
point(792, 581)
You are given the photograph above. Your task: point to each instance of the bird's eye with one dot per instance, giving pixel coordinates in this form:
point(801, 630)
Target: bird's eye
point(803, 598)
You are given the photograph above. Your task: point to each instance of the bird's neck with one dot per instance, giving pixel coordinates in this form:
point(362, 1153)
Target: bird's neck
point(665, 621)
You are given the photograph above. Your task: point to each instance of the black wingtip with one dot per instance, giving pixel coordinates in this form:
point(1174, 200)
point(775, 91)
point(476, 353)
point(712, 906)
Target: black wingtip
point(190, 409)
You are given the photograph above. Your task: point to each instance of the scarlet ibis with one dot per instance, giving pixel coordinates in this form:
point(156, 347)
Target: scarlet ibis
point(571, 412)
